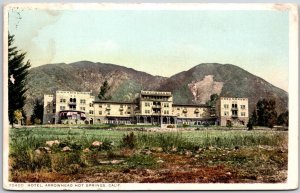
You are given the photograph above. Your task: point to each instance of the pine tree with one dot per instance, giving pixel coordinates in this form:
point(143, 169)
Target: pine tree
point(37, 114)
point(103, 91)
point(17, 74)
point(266, 112)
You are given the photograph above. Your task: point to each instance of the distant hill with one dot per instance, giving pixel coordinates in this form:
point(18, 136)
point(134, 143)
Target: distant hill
point(198, 83)
point(188, 87)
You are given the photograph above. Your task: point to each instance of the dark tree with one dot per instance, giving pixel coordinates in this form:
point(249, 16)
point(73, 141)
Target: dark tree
point(212, 102)
point(38, 111)
point(283, 119)
point(266, 113)
point(253, 118)
point(17, 74)
point(103, 91)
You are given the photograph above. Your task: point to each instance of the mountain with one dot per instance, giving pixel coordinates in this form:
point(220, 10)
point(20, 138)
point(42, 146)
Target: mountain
point(198, 83)
point(193, 86)
point(125, 82)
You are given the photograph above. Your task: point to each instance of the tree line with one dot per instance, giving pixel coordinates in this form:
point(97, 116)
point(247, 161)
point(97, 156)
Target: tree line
point(265, 114)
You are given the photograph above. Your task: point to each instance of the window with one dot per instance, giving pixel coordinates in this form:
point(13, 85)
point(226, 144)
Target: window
point(62, 100)
point(100, 106)
point(108, 113)
point(226, 106)
point(147, 111)
point(62, 107)
point(197, 114)
point(108, 105)
point(91, 112)
point(100, 112)
point(178, 108)
point(121, 112)
point(234, 105)
point(121, 106)
point(91, 105)
point(129, 107)
point(82, 108)
point(53, 111)
point(226, 113)
point(243, 106)
point(243, 114)
point(82, 101)
point(128, 112)
point(165, 112)
point(166, 104)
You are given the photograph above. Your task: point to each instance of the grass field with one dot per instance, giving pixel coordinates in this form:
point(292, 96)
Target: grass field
point(197, 156)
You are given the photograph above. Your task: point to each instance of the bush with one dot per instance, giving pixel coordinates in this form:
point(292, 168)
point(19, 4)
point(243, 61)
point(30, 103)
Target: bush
point(170, 126)
point(250, 126)
point(66, 163)
point(30, 160)
point(129, 141)
point(141, 161)
point(185, 125)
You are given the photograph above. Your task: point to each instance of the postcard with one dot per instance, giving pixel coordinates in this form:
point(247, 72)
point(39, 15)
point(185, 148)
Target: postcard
point(148, 96)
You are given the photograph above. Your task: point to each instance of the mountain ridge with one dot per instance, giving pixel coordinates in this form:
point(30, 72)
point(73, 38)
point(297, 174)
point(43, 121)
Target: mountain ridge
point(193, 86)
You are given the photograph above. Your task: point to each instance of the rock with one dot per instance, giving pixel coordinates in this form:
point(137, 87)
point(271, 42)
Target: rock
point(51, 143)
point(188, 153)
point(157, 149)
point(37, 151)
point(116, 161)
point(228, 173)
point(47, 149)
point(174, 149)
point(236, 147)
point(66, 148)
point(97, 144)
point(160, 161)
point(104, 162)
point(148, 152)
point(196, 156)
point(150, 172)
point(86, 150)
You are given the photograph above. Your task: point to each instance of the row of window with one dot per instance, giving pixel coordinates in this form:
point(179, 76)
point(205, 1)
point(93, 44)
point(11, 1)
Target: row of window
point(226, 106)
point(226, 113)
point(72, 100)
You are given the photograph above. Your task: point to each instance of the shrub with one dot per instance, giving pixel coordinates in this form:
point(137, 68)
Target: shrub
point(250, 126)
point(66, 163)
point(170, 126)
point(30, 160)
point(129, 141)
point(139, 161)
point(185, 125)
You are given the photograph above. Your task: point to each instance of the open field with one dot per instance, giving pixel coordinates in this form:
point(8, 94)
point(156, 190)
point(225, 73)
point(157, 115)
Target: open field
point(216, 155)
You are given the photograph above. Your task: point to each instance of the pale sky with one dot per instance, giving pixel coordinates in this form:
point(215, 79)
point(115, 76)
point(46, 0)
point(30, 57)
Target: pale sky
point(158, 42)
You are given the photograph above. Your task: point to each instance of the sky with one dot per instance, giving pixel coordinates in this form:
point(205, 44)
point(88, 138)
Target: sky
point(159, 42)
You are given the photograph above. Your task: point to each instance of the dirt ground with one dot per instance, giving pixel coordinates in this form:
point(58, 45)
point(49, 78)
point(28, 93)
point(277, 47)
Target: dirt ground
point(259, 165)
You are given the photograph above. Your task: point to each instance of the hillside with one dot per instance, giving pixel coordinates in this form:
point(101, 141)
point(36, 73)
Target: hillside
point(197, 84)
point(192, 86)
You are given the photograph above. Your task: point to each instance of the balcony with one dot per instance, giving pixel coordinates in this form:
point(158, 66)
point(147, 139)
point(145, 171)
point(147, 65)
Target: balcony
point(156, 106)
point(72, 103)
point(234, 116)
point(156, 114)
point(234, 108)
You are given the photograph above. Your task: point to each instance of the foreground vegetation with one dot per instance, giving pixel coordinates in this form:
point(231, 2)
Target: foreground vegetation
point(102, 155)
